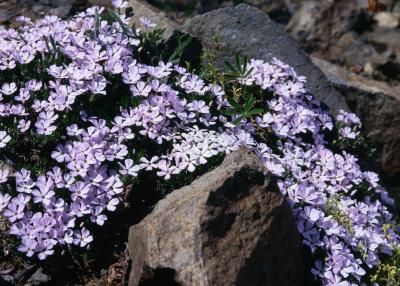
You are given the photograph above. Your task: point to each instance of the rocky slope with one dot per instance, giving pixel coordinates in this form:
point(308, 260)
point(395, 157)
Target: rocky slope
point(207, 219)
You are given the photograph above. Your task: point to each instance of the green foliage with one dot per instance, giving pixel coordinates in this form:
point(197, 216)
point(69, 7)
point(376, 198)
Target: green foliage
point(332, 208)
point(209, 70)
point(239, 68)
point(183, 42)
point(247, 110)
point(388, 271)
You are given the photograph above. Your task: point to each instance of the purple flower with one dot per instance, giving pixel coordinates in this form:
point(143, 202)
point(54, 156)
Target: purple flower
point(15, 209)
point(80, 190)
point(44, 124)
point(4, 172)
point(4, 200)
point(29, 246)
point(9, 88)
point(4, 139)
point(44, 191)
point(23, 125)
point(82, 237)
point(33, 85)
point(146, 23)
point(189, 118)
point(98, 217)
point(128, 168)
point(119, 4)
point(140, 89)
point(23, 96)
point(111, 206)
point(347, 132)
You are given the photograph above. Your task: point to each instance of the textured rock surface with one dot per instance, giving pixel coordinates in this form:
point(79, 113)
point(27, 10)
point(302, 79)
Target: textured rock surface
point(378, 106)
point(319, 24)
point(10, 9)
point(39, 278)
point(346, 33)
point(280, 8)
point(175, 4)
point(141, 8)
point(229, 227)
point(248, 31)
point(101, 3)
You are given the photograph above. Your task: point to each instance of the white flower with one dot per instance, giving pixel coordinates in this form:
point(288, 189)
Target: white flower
point(145, 22)
point(129, 168)
point(4, 172)
point(4, 139)
point(119, 4)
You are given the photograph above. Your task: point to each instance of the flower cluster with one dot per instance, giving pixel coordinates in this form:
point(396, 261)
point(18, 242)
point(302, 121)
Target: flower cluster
point(102, 108)
point(349, 125)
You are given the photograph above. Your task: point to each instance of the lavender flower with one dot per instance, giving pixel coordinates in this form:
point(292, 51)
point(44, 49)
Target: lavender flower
point(146, 23)
point(82, 238)
point(4, 139)
point(170, 106)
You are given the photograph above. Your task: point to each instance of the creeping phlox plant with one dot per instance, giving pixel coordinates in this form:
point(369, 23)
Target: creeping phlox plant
point(85, 107)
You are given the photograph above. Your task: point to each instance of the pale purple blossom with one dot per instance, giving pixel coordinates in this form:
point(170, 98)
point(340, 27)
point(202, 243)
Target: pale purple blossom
point(4, 173)
point(129, 168)
point(82, 237)
point(183, 114)
point(119, 4)
point(8, 88)
point(146, 23)
point(4, 139)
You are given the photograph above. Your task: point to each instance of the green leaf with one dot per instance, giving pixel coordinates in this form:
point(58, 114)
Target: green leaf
point(248, 72)
point(183, 42)
point(233, 102)
point(244, 66)
point(256, 111)
point(238, 64)
point(250, 103)
point(232, 69)
point(230, 112)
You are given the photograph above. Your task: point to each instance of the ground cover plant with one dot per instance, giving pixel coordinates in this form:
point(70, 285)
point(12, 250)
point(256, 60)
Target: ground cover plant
point(90, 105)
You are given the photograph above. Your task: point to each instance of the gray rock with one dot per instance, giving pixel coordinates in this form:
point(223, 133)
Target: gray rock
point(229, 227)
point(378, 106)
point(101, 3)
point(275, 8)
point(387, 20)
point(4, 16)
point(7, 280)
point(141, 8)
point(39, 278)
point(351, 50)
point(319, 24)
point(248, 31)
point(45, 2)
point(344, 32)
point(62, 11)
point(176, 4)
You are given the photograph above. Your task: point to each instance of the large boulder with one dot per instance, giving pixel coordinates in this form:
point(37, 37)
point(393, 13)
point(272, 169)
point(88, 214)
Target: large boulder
point(248, 31)
point(278, 10)
point(229, 227)
point(378, 106)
